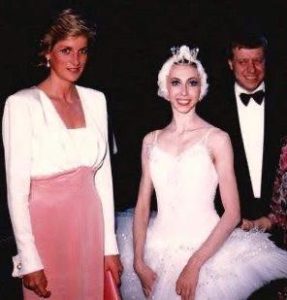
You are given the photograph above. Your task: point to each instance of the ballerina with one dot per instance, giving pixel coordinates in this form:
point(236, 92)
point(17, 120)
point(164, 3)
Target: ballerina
point(187, 251)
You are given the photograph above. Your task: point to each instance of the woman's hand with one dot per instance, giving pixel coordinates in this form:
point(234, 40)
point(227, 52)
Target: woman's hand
point(147, 277)
point(37, 282)
point(262, 223)
point(187, 281)
point(113, 263)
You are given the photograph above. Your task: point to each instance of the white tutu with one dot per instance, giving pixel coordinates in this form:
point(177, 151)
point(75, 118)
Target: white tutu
point(185, 186)
point(245, 262)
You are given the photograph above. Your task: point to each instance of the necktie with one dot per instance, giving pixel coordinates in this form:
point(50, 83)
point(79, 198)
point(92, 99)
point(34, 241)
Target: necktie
point(257, 97)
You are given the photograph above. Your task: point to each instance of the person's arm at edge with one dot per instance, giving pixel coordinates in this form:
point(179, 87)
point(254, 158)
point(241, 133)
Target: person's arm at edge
point(104, 184)
point(223, 160)
point(141, 218)
point(17, 133)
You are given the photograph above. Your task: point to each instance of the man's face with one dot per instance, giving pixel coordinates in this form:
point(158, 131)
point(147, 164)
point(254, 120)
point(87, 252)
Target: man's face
point(248, 66)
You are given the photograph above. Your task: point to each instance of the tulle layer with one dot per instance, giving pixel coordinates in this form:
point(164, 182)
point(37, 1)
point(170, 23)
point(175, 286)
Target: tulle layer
point(245, 262)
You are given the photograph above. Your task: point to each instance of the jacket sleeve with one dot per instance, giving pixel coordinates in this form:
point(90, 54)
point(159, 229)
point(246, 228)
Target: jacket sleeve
point(17, 139)
point(103, 181)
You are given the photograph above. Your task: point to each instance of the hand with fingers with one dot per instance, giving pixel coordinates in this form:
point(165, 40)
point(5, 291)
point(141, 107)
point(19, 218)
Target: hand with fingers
point(37, 282)
point(147, 277)
point(263, 223)
point(247, 224)
point(113, 263)
point(187, 282)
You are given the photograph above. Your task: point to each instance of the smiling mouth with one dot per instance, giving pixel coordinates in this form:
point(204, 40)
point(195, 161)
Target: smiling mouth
point(251, 77)
point(183, 101)
point(75, 70)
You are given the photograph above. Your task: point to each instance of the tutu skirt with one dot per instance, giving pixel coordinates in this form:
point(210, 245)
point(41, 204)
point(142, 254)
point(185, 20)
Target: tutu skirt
point(243, 264)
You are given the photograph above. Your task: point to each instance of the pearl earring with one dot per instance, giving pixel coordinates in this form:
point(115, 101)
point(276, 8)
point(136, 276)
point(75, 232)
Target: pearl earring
point(48, 63)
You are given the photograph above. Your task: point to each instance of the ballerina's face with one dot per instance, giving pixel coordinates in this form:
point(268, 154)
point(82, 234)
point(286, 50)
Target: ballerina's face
point(183, 86)
point(68, 58)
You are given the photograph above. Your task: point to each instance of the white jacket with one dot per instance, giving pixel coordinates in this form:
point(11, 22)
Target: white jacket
point(26, 116)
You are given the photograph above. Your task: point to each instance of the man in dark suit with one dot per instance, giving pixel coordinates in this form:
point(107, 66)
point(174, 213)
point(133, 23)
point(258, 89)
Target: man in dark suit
point(252, 123)
point(249, 111)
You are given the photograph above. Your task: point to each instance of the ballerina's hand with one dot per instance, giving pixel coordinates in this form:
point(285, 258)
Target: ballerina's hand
point(37, 282)
point(187, 282)
point(247, 224)
point(147, 277)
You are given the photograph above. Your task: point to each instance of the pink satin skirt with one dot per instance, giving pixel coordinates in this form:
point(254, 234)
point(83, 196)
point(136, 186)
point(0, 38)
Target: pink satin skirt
point(67, 223)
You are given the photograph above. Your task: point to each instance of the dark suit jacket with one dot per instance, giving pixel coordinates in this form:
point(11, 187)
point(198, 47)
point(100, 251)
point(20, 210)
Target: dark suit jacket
point(221, 111)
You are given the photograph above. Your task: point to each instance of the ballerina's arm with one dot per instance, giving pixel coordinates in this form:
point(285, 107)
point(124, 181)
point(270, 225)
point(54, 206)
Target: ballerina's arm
point(141, 220)
point(220, 147)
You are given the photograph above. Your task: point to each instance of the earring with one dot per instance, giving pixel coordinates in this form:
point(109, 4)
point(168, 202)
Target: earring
point(48, 63)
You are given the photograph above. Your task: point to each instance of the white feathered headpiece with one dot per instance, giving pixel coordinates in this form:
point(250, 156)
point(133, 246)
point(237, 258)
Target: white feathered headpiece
point(185, 56)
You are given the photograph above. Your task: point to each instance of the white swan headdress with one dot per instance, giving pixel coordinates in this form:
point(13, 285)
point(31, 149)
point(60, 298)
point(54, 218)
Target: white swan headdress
point(185, 56)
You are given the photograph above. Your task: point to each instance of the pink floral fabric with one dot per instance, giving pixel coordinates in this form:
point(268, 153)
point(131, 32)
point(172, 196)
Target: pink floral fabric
point(279, 198)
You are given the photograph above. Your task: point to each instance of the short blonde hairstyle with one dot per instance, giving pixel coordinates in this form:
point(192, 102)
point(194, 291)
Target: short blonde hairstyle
point(67, 23)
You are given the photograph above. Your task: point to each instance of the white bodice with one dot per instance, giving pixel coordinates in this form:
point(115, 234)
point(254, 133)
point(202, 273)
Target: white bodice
point(55, 148)
point(185, 187)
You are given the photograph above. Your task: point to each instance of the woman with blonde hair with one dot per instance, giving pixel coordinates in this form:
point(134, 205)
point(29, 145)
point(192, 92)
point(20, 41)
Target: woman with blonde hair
point(59, 182)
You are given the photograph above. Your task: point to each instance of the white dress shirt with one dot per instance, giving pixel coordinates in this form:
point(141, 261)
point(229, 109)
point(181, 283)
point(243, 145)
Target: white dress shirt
point(37, 143)
point(251, 120)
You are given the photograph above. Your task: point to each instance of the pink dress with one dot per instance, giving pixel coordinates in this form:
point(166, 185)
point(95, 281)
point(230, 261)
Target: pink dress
point(67, 224)
point(59, 193)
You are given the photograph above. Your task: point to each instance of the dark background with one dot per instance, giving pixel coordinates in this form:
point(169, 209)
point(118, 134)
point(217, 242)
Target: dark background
point(133, 40)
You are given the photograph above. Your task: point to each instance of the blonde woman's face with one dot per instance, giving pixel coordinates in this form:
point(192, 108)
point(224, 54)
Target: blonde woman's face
point(68, 58)
point(183, 86)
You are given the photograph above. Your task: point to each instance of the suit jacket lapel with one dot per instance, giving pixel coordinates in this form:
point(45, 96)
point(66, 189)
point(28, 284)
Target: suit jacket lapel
point(271, 148)
point(240, 160)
